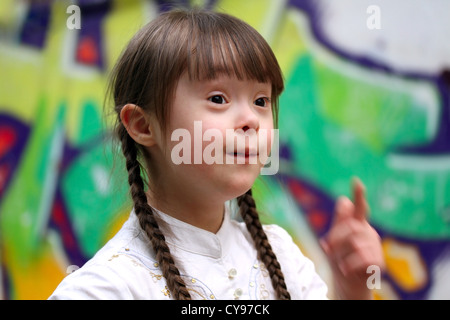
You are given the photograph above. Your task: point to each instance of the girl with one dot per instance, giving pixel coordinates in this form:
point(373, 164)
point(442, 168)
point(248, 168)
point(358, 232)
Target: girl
point(180, 241)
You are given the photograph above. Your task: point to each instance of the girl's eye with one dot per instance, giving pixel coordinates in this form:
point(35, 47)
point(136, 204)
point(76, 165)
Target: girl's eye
point(262, 102)
point(218, 99)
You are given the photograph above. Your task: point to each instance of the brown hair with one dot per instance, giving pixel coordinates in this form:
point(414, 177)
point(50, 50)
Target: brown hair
point(205, 44)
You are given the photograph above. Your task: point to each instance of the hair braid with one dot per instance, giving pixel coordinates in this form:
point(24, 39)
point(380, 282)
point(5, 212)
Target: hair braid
point(248, 212)
point(147, 219)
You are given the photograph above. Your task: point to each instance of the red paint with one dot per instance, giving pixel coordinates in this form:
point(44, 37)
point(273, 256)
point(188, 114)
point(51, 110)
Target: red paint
point(87, 52)
point(7, 139)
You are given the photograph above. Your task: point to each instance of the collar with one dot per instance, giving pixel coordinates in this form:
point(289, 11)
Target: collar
point(192, 239)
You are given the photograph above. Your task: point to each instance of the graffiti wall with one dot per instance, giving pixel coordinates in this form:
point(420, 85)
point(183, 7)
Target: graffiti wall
point(367, 95)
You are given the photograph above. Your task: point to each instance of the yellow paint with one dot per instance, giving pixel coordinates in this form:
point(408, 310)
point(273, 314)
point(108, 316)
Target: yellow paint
point(289, 45)
point(258, 10)
point(405, 265)
point(35, 280)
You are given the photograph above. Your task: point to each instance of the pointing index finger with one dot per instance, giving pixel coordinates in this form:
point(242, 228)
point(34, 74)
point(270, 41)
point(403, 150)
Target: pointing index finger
point(359, 198)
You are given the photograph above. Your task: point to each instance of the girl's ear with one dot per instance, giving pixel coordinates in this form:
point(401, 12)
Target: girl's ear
point(138, 125)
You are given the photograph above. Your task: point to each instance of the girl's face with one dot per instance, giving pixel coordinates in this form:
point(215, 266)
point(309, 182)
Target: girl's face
point(213, 136)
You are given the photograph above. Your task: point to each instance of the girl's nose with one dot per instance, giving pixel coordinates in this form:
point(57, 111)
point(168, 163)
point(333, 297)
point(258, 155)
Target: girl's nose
point(247, 118)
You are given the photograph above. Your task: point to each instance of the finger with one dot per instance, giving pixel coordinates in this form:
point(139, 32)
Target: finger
point(359, 198)
point(325, 246)
point(355, 263)
point(344, 209)
point(345, 237)
point(358, 245)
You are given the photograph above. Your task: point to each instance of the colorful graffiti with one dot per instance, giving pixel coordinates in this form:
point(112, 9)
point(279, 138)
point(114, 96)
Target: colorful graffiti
point(347, 111)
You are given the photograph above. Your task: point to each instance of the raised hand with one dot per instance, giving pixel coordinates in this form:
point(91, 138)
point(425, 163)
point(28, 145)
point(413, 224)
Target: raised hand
point(352, 245)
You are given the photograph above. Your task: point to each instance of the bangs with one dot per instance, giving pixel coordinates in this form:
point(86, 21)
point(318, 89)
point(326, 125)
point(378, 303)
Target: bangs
point(204, 44)
point(223, 45)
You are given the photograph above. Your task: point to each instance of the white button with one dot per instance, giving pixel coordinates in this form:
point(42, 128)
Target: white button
point(232, 273)
point(237, 293)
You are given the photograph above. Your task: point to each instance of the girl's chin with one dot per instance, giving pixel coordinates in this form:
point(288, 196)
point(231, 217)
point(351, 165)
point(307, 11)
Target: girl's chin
point(240, 181)
point(226, 181)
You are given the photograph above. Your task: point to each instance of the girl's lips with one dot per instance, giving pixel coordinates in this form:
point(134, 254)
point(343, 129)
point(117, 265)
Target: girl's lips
point(246, 153)
point(245, 157)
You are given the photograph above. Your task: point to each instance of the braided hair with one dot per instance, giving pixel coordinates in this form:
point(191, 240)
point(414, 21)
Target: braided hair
point(247, 209)
point(148, 222)
point(146, 75)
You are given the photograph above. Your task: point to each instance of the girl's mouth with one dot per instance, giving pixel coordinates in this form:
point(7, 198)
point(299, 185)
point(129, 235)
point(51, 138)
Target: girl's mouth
point(245, 153)
point(244, 156)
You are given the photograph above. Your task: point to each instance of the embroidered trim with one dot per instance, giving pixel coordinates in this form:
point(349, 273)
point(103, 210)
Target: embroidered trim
point(259, 283)
point(195, 286)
